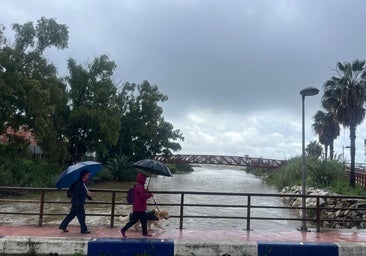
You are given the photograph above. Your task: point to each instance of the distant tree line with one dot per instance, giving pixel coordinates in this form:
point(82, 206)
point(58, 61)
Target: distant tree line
point(78, 116)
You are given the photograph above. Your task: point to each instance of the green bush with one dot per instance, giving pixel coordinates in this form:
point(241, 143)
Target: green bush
point(341, 186)
point(288, 175)
point(26, 172)
point(6, 176)
point(121, 169)
point(322, 173)
point(328, 174)
point(118, 168)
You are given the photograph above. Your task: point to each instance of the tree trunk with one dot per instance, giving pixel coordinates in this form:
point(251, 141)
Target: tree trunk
point(353, 151)
point(331, 150)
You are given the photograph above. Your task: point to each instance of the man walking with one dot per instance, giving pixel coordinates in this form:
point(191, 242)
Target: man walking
point(78, 199)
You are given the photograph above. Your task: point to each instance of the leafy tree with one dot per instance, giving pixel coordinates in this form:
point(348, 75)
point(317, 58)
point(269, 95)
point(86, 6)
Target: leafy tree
point(345, 95)
point(314, 149)
point(144, 131)
point(31, 93)
point(5, 108)
point(87, 118)
point(17, 147)
point(327, 128)
point(94, 122)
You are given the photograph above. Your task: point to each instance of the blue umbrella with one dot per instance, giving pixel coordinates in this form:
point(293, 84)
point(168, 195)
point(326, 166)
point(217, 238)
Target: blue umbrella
point(72, 173)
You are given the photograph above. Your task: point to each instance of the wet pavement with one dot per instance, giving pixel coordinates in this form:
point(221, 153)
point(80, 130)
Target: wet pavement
point(283, 235)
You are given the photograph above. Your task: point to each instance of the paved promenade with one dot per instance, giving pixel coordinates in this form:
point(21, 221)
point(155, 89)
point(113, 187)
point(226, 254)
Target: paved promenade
point(187, 242)
point(356, 236)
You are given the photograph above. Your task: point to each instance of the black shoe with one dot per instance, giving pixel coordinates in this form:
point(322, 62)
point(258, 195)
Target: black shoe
point(64, 229)
point(123, 233)
point(85, 232)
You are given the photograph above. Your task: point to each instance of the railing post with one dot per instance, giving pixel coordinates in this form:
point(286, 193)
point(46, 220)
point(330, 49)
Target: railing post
point(181, 211)
point(113, 207)
point(248, 212)
point(41, 208)
point(318, 214)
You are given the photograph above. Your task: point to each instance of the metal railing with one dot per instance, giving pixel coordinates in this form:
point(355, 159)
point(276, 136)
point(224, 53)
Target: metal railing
point(360, 177)
point(245, 201)
point(255, 162)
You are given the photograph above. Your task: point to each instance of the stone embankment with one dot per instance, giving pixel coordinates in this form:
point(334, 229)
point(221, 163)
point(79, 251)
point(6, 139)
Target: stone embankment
point(340, 213)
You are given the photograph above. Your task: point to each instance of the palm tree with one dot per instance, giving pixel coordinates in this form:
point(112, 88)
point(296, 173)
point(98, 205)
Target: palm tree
point(345, 95)
point(314, 149)
point(327, 127)
point(119, 166)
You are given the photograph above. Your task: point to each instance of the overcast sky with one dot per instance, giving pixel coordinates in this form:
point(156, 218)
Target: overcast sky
point(232, 70)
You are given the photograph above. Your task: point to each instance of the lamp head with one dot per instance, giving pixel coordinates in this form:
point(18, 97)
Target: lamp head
point(309, 91)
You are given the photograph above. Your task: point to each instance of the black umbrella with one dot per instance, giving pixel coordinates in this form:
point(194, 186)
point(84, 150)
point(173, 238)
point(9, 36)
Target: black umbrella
point(153, 166)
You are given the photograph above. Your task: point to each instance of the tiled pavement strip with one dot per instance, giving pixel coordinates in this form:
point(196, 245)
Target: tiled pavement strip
point(349, 242)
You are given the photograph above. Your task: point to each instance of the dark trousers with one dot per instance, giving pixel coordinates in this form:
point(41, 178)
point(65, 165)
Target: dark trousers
point(134, 218)
point(75, 211)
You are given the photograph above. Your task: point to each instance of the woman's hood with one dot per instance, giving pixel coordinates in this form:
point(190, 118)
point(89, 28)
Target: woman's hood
point(141, 178)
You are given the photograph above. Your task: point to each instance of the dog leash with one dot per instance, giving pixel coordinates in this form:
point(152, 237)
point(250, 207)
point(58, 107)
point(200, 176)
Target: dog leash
point(157, 207)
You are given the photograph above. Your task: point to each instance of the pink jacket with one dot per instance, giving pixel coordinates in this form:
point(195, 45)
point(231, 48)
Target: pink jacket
point(141, 195)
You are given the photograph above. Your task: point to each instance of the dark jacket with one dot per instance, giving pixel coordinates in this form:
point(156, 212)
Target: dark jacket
point(79, 193)
point(141, 195)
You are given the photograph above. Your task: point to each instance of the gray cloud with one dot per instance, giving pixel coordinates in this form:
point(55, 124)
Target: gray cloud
point(228, 63)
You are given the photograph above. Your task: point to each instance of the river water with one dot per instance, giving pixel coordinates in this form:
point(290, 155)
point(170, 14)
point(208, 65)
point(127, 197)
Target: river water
point(223, 179)
point(204, 178)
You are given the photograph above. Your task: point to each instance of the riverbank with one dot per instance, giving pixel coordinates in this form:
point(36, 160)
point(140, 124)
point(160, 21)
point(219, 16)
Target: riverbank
point(340, 212)
point(320, 173)
point(49, 240)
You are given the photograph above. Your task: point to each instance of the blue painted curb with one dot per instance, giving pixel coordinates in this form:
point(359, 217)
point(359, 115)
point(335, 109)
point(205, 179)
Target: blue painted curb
point(130, 246)
point(296, 249)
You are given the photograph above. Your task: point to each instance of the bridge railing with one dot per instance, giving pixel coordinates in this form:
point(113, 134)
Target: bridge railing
point(245, 201)
point(256, 162)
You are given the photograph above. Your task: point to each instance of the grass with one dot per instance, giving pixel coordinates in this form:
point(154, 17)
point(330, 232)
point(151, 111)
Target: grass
point(342, 187)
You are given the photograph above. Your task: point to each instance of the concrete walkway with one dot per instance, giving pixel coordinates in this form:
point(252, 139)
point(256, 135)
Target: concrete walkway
point(24, 238)
point(353, 236)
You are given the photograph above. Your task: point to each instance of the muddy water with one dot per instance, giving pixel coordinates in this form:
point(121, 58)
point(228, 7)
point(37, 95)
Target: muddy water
point(208, 179)
point(222, 179)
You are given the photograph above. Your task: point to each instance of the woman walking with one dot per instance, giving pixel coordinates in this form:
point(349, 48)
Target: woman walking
point(139, 206)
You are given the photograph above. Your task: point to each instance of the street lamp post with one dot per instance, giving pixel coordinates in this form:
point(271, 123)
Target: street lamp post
point(343, 152)
point(344, 163)
point(309, 91)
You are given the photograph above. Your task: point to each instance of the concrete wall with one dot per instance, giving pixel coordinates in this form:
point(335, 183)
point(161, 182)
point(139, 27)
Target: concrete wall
point(166, 247)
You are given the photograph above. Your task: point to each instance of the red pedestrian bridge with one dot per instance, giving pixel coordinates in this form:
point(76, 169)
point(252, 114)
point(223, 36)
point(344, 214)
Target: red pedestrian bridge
point(247, 161)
